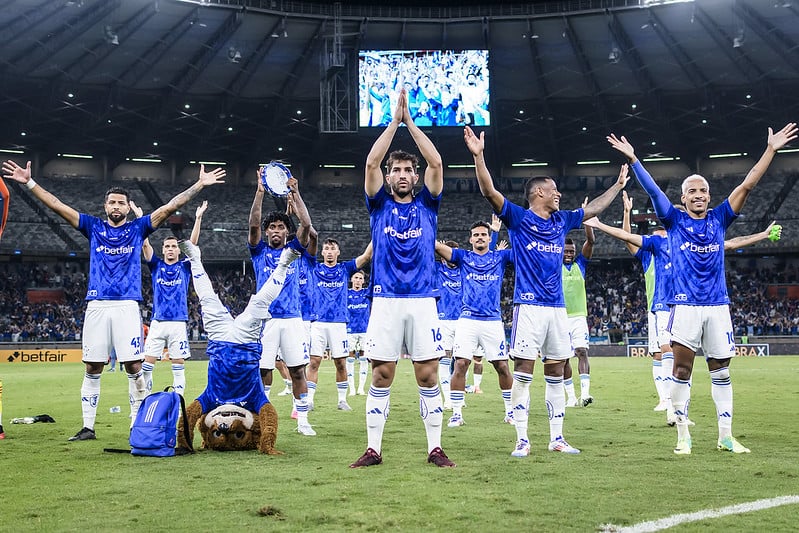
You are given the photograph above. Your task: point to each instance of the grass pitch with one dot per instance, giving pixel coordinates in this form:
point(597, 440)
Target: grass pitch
point(626, 474)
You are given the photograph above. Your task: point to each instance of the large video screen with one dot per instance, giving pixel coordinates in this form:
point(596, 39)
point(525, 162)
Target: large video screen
point(445, 87)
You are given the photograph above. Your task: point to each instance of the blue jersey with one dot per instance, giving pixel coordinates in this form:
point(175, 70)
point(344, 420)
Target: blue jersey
point(450, 291)
point(114, 257)
point(233, 376)
point(403, 237)
point(482, 282)
point(264, 261)
point(359, 304)
point(170, 289)
point(306, 262)
point(697, 255)
point(538, 252)
point(330, 290)
point(658, 248)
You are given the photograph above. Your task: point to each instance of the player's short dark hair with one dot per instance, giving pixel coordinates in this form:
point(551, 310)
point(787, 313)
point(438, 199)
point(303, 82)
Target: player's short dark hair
point(480, 224)
point(332, 241)
point(569, 241)
point(171, 238)
point(534, 182)
point(276, 216)
point(401, 155)
point(117, 190)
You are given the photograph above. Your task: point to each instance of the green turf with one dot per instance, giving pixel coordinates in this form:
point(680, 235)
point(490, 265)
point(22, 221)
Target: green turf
point(626, 474)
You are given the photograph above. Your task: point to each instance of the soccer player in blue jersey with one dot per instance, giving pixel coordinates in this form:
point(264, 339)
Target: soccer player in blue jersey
point(448, 304)
point(480, 318)
point(329, 330)
point(112, 317)
point(171, 279)
point(540, 324)
point(700, 316)
point(403, 225)
point(285, 332)
point(359, 305)
point(573, 272)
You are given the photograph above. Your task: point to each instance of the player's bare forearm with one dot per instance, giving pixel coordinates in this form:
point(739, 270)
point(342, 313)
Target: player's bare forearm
point(254, 221)
point(434, 173)
point(601, 202)
point(373, 175)
point(70, 215)
point(486, 184)
point(178, 201)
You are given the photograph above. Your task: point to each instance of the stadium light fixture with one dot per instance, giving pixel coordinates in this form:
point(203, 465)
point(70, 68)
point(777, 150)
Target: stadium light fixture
point(655, 159)
point(601, 162)
point(460, 166)
point(218, 163)
point(11, 151)
point(143, 160)
point(337, 165)
point(529, 164)
point(76, 156)
point(722, 156)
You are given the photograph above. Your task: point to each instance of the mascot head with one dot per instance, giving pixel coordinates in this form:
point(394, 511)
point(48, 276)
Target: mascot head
point(230, 427)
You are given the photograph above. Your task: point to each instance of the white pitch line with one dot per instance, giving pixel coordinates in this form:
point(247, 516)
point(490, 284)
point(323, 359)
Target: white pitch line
point(677, 519)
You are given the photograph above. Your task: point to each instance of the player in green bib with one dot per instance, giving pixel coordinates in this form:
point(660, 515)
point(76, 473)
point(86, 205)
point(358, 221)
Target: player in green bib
point(573, 270)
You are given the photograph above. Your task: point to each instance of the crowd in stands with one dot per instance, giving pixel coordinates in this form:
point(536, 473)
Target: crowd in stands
point(616, 300)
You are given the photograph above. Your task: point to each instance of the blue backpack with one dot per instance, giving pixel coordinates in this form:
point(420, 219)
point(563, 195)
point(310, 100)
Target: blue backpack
point(154, 432)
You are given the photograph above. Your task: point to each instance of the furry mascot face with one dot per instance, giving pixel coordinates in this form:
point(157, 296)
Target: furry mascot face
point(231, 427)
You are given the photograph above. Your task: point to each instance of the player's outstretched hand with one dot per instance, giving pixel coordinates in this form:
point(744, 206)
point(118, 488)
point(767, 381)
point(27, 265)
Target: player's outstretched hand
point(201, 209)
point(13, 171)
point(592, 222)
point(782, 137)
point(628, 202)
point(213, 177)
point(622, 145)
point(475, 144)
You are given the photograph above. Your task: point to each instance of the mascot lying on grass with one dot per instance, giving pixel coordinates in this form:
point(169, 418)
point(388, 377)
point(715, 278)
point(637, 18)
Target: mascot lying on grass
point(233, 412)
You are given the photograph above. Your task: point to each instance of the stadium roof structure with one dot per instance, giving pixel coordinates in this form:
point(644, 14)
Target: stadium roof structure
point(254, 80)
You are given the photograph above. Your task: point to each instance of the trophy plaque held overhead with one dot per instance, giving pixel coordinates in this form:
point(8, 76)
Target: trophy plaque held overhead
point(274, 177)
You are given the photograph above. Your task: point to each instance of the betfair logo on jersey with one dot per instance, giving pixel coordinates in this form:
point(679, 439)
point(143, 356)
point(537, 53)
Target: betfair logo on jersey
point(358, 306)
point(330, 284)
point(103, 249)
point(452, 284)
point(709, 249)
point(413, 233)
point(170, 283)
point(545, 247)
point(482, 277)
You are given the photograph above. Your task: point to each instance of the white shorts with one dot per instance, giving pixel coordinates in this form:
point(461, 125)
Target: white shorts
point(356, 341)
point(171, 334)
point(539, 329)
point(578, 332)
point(331, 335)
point(112, 324)
point(397, 323)
point(708, 327)
point(287, 337)
point(448, 328)
point(662, 328)
point(307, 325)
point(474, 334)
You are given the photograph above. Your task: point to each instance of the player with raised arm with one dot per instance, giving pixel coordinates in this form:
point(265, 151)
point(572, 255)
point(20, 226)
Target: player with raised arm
point(171, 279)
point(112, 316)
point(359, 304)
point(480, 319)
point(540, 324)
point(329, 330)
point(577, 311)
point(700, 316)
point(404, 314)
point(285, 332)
